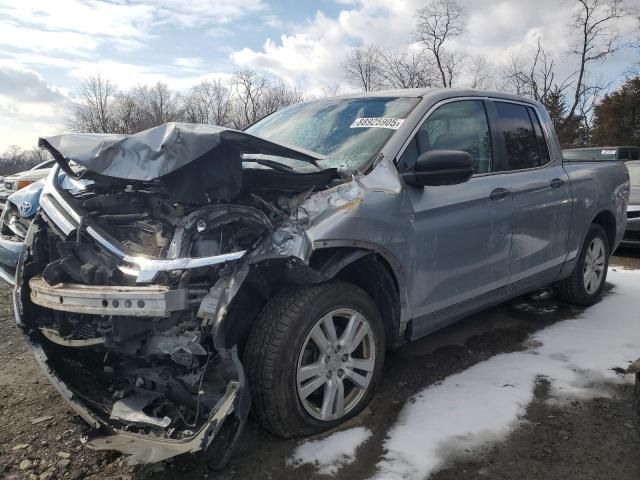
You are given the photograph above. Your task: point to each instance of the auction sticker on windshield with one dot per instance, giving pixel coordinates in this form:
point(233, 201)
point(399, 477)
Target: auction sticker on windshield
point(377, 122)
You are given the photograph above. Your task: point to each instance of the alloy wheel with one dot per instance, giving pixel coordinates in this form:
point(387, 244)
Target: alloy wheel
point(336, 364)
point(593, 270)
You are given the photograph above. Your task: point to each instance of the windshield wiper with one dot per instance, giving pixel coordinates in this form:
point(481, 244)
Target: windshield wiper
point(280, 167)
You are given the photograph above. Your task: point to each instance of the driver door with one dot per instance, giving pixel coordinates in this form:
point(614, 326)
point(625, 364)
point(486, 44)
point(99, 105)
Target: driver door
point(462, 233)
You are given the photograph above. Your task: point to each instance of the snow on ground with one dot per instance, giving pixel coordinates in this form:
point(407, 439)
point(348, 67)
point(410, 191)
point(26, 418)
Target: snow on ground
point(487, 401)
point(330, 454)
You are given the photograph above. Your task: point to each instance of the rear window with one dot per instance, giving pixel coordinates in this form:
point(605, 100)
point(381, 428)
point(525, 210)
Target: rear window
point(522, 142)
point(590, 154)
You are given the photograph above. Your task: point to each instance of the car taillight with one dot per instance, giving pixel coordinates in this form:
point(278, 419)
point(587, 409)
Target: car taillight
point(22, 183)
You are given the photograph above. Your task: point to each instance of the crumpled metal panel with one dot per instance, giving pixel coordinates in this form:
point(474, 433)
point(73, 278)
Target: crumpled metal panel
point(160, 150)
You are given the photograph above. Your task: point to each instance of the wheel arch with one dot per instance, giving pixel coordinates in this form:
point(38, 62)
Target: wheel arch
point(370, 269)
point(607, 220)
point(373, 273)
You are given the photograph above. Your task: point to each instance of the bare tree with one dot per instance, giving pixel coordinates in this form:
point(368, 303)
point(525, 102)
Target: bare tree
point(594, 22)
point(93, 112)
point(592, 94)
point(363, 67)
point(249, 88)
point(278, 95)
point(513, 80)
point(330, 90)
point(407, 68)
point(437, 23)
point(535, 78)
point(208, 102)
point(158, 103)
point(255, 96)
point(15, 159)
point(481, 76)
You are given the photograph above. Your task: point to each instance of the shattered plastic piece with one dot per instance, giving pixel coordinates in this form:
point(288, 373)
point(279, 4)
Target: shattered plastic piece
point(129, 409)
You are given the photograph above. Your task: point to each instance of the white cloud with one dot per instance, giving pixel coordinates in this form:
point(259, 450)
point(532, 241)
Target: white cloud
point(92, 17)
point(37, 40)
point(74, 26)
point(27, 86)
point(188, 62)
point(29, 107)
point(205, 12)
point(126, 75)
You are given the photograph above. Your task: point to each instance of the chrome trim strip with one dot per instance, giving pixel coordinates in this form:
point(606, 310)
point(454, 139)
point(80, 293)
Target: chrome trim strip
point(55, 216)
point(149, 268)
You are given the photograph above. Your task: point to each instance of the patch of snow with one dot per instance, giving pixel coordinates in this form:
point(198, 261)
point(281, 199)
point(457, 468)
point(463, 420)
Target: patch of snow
point(486, 402)
point(332, 453)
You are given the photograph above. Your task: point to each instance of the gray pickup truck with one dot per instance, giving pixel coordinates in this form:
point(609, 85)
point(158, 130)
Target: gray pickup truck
point(193, 271)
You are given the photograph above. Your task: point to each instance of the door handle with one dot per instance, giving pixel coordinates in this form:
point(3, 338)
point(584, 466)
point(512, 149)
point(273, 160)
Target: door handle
point(556, 183)
point(499, 194)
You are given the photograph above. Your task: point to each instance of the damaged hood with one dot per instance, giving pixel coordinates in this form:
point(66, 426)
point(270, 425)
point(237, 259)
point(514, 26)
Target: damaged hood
point(161, 150)
point(195, 162)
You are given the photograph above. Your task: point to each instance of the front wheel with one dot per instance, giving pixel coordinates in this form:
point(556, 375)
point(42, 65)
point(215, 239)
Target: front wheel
point(586, 282)
point(314, 357)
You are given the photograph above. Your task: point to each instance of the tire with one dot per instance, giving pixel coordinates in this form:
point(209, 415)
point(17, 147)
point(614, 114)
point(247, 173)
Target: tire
point(282, 343)
point(575, 289)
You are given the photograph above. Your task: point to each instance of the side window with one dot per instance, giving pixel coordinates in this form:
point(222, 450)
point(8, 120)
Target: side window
point(459, 125)
point(634, 154)
point(521, 141)
point(408, 158)
point(543, 148)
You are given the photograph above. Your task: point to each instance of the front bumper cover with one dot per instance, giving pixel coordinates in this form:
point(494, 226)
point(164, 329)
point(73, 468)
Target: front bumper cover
point(233, 408)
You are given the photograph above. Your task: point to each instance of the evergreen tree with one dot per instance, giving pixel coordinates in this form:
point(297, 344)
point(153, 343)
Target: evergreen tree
point(617, 116)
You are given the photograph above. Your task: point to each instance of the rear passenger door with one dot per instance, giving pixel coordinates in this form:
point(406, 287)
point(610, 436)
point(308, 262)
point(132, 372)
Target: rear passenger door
point(541, 196)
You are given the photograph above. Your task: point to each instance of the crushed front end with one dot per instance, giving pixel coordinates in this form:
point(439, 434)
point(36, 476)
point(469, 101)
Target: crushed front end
point(122, 288)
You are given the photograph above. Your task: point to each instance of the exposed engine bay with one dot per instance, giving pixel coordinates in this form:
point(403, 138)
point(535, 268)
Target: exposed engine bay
point(120, 290)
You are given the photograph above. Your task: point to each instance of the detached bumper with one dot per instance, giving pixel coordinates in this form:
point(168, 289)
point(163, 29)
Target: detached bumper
point(219, 433)
point(9, 254)
point(146, 449)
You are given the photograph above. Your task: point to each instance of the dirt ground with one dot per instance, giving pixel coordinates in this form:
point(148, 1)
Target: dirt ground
point(596, 439)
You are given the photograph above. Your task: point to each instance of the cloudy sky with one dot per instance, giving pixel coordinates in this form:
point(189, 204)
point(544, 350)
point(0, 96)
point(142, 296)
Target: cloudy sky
point(48, 47)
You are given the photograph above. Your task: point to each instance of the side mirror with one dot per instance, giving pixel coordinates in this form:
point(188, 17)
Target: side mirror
point(440, 167)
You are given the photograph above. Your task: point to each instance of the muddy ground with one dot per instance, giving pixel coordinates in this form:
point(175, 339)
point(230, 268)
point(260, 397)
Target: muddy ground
point(39, 437)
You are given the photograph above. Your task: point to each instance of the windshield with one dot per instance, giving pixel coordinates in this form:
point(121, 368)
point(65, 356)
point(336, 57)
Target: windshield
point(347, 131)
point(589, 154)
point(634, 174)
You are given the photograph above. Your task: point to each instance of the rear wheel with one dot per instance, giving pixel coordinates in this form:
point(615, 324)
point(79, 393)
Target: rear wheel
point(587, 280)
point(314, 357)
